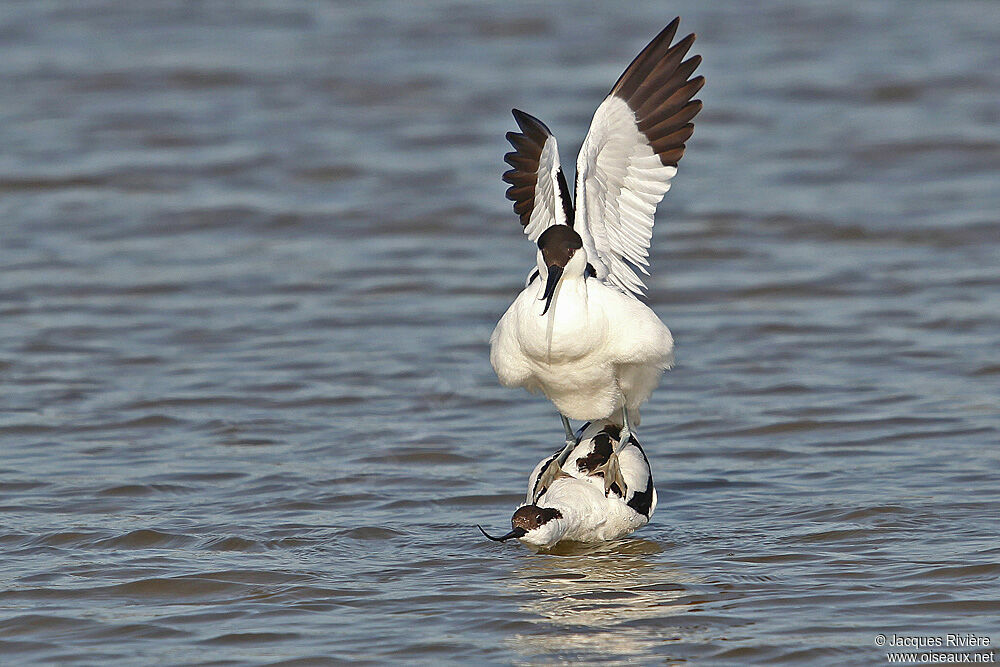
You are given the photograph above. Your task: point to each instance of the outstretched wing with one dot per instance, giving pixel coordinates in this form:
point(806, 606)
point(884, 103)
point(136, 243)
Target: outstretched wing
point(631, 153)
point(537, 185)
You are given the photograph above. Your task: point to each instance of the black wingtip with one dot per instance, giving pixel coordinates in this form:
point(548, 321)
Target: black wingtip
point(530, 124)
point(667, 34)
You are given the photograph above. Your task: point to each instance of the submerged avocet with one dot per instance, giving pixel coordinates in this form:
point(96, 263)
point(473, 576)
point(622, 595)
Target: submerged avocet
point(574, 506)
point(600, 352)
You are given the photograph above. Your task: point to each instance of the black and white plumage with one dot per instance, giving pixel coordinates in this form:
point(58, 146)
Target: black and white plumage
point(574, 507)
point(624, 168)
point(600, 352)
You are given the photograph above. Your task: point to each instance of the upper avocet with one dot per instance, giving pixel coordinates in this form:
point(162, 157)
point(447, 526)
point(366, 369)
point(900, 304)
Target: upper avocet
point(574, 506)
point(600, 350)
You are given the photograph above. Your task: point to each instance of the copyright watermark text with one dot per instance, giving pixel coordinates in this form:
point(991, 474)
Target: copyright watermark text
point(913, 649)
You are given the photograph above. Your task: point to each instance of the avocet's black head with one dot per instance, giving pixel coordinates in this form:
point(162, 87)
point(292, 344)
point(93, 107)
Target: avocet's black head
point(526, 519)
point(557, 244)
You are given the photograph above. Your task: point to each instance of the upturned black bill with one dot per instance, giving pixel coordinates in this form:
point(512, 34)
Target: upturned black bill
point(517, 532)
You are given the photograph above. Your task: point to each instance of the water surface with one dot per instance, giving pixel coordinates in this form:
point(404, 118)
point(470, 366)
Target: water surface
point(251, 255)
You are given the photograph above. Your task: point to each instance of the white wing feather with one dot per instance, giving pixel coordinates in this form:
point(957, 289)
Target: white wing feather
point(630, 155)
point(549, 209)
point(538, 187)
point(620, 180)
point(625, 165)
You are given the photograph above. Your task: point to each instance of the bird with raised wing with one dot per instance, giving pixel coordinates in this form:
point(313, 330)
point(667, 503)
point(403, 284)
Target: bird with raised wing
point(578, 332)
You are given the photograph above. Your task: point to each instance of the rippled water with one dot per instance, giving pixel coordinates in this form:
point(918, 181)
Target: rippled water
point(250, 257)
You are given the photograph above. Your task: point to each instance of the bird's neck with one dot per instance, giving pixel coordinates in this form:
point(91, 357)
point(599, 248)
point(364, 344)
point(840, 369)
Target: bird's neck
point(570, 295)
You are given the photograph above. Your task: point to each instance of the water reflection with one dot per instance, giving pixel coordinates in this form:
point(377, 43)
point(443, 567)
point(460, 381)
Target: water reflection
point(600, 599)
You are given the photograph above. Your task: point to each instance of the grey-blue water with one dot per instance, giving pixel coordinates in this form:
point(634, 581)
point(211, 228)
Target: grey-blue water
point(250, 257)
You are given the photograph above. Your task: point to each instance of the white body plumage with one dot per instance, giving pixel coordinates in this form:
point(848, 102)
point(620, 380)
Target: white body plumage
point(577, 332)
point(579, 509)
point(599, 348)
point(596, 350)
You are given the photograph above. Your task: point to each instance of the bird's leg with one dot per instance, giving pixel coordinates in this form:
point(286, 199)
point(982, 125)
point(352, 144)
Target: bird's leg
point(612, 471)
point(626, 433)
point(554, 469)
point(570, 440)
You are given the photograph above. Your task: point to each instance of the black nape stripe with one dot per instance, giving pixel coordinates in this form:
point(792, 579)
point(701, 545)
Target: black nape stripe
point(530, 517)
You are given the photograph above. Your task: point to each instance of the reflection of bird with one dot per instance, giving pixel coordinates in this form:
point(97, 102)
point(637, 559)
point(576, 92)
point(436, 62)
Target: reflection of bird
point(616, 602)
point(600, 350)
point(574, 505)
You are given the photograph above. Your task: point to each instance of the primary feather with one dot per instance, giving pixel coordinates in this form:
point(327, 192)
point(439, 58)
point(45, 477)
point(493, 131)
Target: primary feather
point(625, 165)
